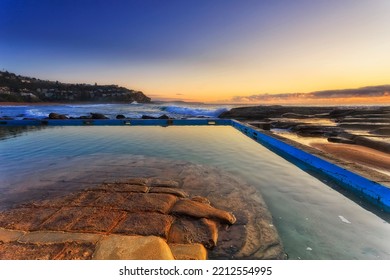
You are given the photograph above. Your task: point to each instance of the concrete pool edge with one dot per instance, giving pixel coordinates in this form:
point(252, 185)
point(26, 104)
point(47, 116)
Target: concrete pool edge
point(371, 191)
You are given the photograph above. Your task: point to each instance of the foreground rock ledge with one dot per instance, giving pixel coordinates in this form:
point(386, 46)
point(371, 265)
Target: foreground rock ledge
point(144, 218)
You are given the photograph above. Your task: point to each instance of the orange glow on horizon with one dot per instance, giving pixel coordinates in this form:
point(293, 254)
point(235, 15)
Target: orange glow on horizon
point(382, 100)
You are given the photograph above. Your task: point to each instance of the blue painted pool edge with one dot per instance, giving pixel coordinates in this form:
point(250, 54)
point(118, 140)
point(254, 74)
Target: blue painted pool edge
point(371, 191)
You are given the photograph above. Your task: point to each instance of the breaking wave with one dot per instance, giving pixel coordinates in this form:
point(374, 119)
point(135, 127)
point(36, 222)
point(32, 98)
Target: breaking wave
point(194, 112)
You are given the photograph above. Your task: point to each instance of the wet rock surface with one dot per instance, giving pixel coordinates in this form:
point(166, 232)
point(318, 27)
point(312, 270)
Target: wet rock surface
point(337, 124)
point(189, 205)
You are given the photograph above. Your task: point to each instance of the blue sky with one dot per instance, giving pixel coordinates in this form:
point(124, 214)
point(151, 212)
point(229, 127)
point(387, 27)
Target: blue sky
point(201, 50)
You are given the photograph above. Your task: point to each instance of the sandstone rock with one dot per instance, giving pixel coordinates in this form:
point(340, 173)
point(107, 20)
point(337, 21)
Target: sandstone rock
point(135, 181)
point(173, 191)
point(111, 199)
point(145, 224)
point(19, 251)
point(189, 231)
point(164, 183)
point(124, 206)
point(243, 239)
point(201, 210)
point(125, 187)
point(116, 247)
point(76, 251)
point(231, 240)
point(62, 220)
point(50, 237)
point(10, 235)
point(24, 218)
point(151, 202)
point(200, 199)
point(188, 251)
point(86, 198)
point(96, 220)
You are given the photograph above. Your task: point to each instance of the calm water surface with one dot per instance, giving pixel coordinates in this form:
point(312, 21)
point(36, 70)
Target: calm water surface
point(313, 220)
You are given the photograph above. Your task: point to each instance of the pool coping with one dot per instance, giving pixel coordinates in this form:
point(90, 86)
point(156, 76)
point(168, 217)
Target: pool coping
point(373, 192)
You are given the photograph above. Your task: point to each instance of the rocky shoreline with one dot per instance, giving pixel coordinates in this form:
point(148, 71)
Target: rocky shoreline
point(337, 125)
point(355, 138)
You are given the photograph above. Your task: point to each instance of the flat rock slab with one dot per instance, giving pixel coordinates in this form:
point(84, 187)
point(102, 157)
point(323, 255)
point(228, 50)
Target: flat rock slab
point(148, 223)
point(133, 248)
point(24, 218)
point(10, 235)
point(188, 251)
point(151, 202)
point(51, 237)
point(178, 202)
point(31, 251)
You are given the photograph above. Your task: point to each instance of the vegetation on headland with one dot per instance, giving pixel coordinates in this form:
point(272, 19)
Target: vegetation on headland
point(16, 88)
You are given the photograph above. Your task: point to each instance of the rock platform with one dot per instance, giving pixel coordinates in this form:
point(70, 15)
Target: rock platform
point(200, 213)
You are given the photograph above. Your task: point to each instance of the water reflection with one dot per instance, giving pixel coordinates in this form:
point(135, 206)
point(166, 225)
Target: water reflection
point(305, 210)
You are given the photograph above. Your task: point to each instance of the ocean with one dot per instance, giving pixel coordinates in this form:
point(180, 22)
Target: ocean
point(173, 110)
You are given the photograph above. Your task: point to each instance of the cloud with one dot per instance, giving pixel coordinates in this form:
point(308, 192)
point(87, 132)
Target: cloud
point(366, 92)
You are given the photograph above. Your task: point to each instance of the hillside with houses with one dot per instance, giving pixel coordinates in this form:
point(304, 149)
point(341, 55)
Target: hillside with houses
point(16, 88)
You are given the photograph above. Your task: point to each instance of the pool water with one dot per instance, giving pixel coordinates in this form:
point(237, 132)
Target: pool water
point(314, 220)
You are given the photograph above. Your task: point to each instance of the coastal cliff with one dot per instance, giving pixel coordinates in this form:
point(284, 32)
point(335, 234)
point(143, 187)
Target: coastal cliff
point(16, 88)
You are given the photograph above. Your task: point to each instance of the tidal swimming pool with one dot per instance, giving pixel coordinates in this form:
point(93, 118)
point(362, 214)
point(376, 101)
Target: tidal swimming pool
point(314, 220)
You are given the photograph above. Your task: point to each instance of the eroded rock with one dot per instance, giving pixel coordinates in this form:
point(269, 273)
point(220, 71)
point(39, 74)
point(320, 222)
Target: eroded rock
point(189, 231)
point(200, 210)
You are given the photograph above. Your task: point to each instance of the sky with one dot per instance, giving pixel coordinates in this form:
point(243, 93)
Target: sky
point(200, 50)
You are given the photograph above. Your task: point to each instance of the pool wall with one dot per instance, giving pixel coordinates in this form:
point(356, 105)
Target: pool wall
point(371, 191)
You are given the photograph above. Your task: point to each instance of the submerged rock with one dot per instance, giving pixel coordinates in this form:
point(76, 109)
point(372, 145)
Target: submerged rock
point(162, 117)
point(55, 116)
point(186, 207)
point(98, 116)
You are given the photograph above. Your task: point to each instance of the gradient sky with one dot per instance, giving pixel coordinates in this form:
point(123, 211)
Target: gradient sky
point(200, 50)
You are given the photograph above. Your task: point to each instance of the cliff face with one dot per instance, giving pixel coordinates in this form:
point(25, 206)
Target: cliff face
point(16, 88)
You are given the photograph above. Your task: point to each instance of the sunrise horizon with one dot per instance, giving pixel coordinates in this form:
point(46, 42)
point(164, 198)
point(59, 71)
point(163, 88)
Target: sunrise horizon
point(201, 51)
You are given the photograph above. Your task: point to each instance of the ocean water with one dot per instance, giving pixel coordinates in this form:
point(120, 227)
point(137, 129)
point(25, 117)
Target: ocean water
point(174, 110)
point(314, 220)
